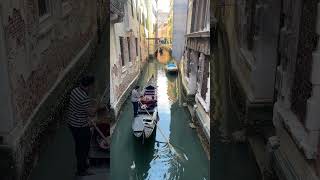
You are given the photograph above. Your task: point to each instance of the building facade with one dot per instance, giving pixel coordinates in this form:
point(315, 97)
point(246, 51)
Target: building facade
point(180, 9)
point(45, 46)
point(162, 17)
point(129, 35)
point(267, 61)
point(124, 54)
point(152, 8)
point(195, 64)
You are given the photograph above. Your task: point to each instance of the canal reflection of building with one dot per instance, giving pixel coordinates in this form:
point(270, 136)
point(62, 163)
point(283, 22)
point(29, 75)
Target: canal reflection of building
point(143, 155)
point(164, 58)
point(172, 87)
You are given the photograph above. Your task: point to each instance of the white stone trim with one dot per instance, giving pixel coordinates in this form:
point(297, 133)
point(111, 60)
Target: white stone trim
point(123, 69)
point(289, 161)
point(204, 119)
point(208, 95)
point(46, 17)
point(305, 140)
point(203, 102)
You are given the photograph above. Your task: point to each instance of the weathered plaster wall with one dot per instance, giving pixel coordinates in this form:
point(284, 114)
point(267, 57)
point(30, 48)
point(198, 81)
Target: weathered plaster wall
point(45, 57)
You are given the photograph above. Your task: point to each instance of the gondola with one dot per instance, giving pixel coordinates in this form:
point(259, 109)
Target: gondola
point(145, 122)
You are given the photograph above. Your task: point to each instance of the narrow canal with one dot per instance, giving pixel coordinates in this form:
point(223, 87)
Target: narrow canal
point(155, 160)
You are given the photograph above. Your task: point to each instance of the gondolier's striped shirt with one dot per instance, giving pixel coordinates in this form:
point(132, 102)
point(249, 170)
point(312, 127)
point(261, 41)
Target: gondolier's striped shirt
point(77, 113)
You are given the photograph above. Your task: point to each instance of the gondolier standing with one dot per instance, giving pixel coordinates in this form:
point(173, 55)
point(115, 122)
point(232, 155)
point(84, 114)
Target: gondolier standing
point(135, 98)
point(78, 115)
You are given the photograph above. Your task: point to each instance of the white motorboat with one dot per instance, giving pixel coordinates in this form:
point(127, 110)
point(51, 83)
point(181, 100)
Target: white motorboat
point(172, 67)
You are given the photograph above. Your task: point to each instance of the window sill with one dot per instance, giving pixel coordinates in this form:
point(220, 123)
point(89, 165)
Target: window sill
point(248, 57)
point(124, 69)
point(44, 18)
point(45, 25)
point(295, 128)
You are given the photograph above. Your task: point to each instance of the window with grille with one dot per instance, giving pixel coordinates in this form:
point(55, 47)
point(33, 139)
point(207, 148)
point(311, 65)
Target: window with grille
point(43, 7)
point(121, 51)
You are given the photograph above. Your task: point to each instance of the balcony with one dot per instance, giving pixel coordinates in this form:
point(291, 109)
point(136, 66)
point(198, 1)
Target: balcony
point(117, 11)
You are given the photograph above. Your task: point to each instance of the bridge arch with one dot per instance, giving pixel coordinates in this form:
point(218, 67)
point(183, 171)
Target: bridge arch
point(167, 47)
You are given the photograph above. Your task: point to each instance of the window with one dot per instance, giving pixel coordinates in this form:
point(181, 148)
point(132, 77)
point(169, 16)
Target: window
point(245, 22)
point(137, 11)
point(154, 11)
point(203, 15)
point(137, 50)
point(205, 76)
point(121, 50)
point(132, 8)
point(43, 7)
point(142, 19)
point(137, 14)
point(193, 20)
point(129, 52)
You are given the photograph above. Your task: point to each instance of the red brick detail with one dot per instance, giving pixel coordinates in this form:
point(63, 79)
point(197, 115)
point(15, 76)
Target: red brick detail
point(28, 93)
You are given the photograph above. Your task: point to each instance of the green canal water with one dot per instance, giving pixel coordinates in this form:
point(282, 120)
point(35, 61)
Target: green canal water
point(155, 160)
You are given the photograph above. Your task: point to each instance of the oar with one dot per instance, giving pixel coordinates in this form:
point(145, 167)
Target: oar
point(161, 132)
point(95, 125)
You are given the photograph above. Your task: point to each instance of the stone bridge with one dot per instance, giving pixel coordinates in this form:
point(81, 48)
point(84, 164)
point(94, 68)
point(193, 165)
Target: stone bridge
point(167, 47)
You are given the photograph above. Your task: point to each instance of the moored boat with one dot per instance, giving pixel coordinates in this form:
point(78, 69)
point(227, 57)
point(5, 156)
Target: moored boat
point(171, 67)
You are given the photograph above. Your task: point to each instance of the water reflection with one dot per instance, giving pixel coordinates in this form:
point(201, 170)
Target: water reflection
point(164, 58)
point(154, 160)
point(172, 87)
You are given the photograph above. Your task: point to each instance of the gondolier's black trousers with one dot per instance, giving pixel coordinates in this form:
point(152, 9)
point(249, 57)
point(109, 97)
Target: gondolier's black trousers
point(135, 108)
point(81, 136)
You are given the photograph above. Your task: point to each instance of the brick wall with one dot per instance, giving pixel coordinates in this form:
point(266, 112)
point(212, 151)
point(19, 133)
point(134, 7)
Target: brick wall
point(28, 93)
point(36, 59)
